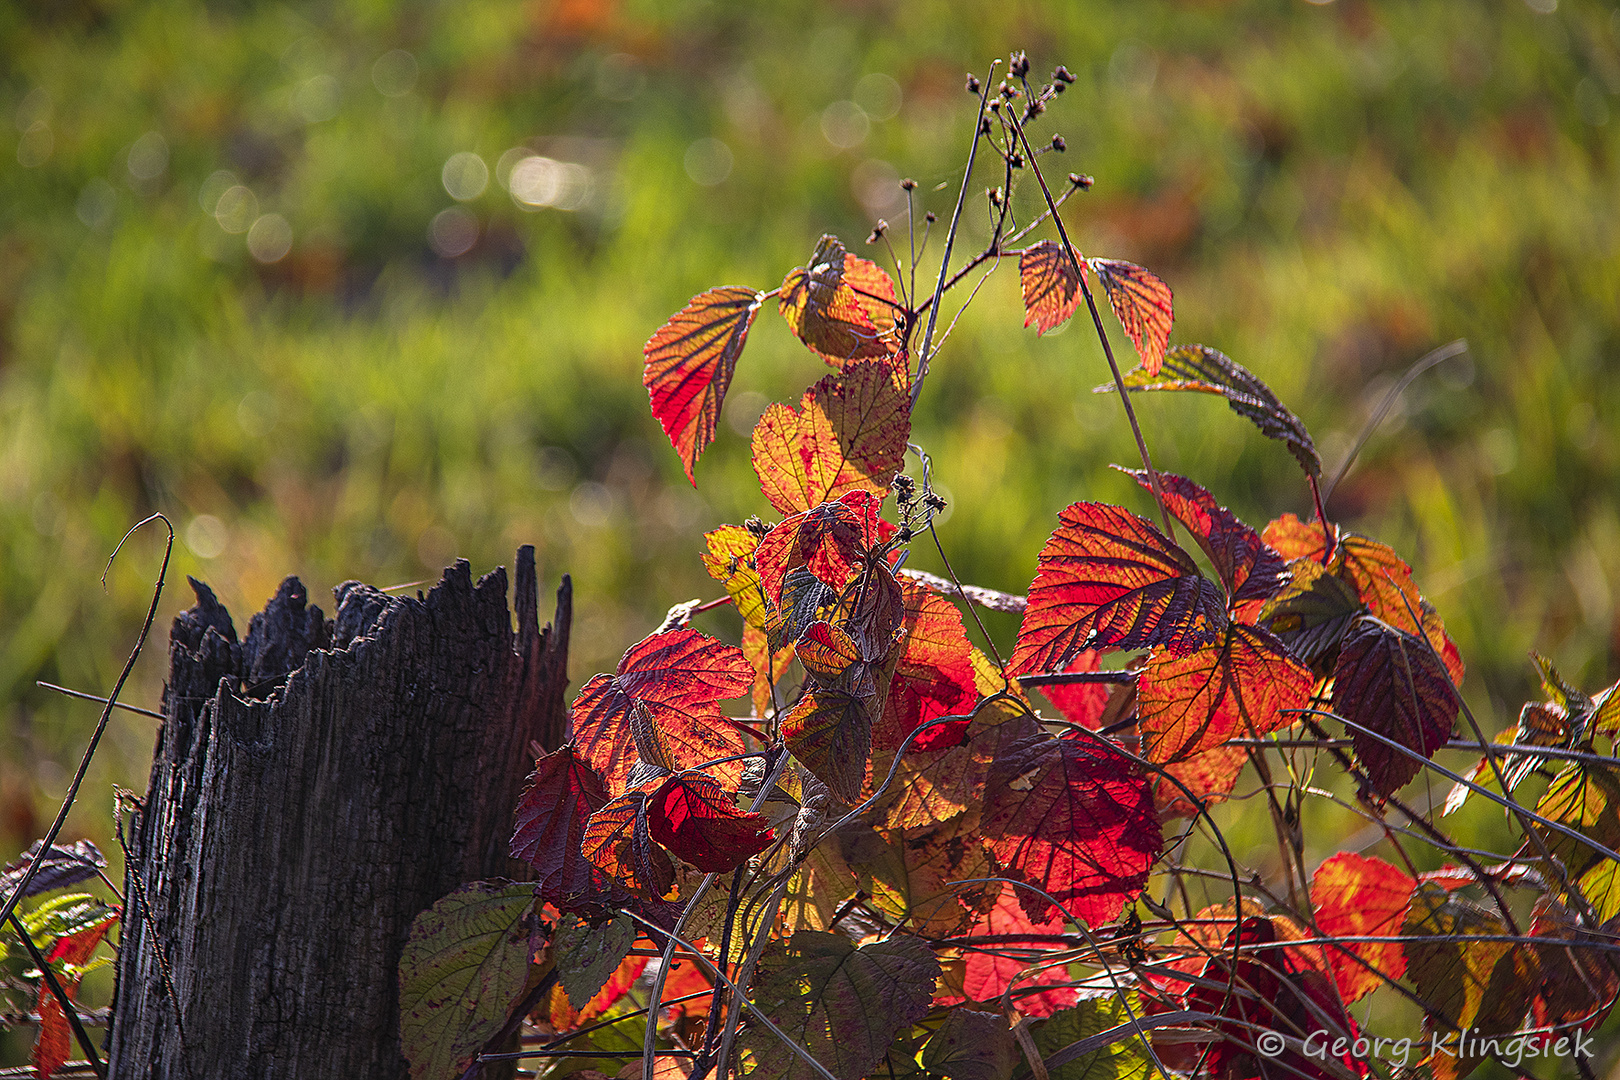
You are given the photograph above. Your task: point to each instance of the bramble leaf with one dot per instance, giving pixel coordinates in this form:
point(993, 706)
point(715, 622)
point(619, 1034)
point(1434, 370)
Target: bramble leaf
point(1248, 569)
point(1126, 1059)
point(1075, 819)
point(1143, 304)
point(1051, 287)
point(848, 434)
point(1201, 368)
point(1242, 685)
point(692, 816)
point(936, 785)
point(1108, 579)
point(842, 306)
point(841, 1003)
point(462, 969)
point(1080, 703)
point(587, 952)
point(971, 1046)
point(730, 559)
point(690, 360)
point(829, 540)
point(66, 956)
point(934, 674)
point(1312, 612)
point(993, 968)
point(912, 874)
point(1388, 681)
point(1578, 981)
point(1210, 776)
point(618, 841)
point(64, 865)
point(830, 731)
point(562, 794)
point(1466, 984)
point(1584, 797)
point(662, 704)
point(1358, 896)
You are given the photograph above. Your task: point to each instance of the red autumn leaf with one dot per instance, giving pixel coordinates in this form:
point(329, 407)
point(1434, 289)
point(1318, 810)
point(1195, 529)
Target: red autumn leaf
point(1143, 304)
point(1358, 896)
point(849, 434)
point(827, 653)
point(564, 1017)
point(991, 969)
point(1381, 578)
point(686, 978)
point(662, 704)
point(1108, 579)
point(830, 540)
point(563, 792)
point(841, 306)
point(1389, 682)
point(1208, 371)
point(618, 841)
point(1075, 819)
point(1249, 569)
point(830, 731)
point(1050, 283)
point(934, 675)
point(768, 666)
point(1209, 777)
point(689, 364)
point(693, 816)
point(55, 1042)
point(1578, 982)
point(1241, 686)
point(1080, 703)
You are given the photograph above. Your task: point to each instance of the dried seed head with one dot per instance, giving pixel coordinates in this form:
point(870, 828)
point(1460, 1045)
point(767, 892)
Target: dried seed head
point(877, 231)
point(1081, 181)
point(1062, 76)
point(908, 184)
point(973, 84)
point(930, 217)
point(1019, 64)
point(1058, 144)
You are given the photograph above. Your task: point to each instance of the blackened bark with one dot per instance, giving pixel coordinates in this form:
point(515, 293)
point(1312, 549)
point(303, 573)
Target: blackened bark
point(314, 788)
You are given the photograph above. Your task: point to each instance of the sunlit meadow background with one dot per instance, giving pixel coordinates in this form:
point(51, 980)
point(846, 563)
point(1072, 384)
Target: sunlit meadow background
point(348, 290)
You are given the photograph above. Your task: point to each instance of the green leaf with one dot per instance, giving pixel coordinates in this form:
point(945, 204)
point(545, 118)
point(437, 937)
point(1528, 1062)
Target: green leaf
point(972, 1046)
point(841, 1003)
point(464, 966)
point(63, 916)
point(587, 952)
point(1126, 1059)
point(1585, 798)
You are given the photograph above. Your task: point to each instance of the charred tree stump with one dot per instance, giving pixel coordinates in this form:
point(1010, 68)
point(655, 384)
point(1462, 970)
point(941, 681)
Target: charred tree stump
point(315, 786)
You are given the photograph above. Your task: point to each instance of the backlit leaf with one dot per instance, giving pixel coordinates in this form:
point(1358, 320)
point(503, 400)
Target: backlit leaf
point(848, 434)
point(562, 794)
point(1075, 819)
point(587, 952)
point(934, 674)
point(841, 306)
point(1209, 776)
point(1050, 284)
point(698, 820)
point(1143, 304)
point(1240, 686)
point(1312, 612)
point(462, 970)
point(1201, 368)
point(827, 653)
point(768, 666)
point(1249, 569)
point(1108, 579)
point(730, 559)
point(1584, 797)
point(690, 361)
point(830, 731)
point(1359, 896)
point(1080, 703)
point(935, 785)
point(1466, 983)
point(829, 540)
point(1126, 1059)
point(1389, 682)
point(841, 1003)
point(66, 956)
point(911, 878)
point(993, 968)
point(1578, 980)
point(65, 865)
point(676, 678)
point(618, 841)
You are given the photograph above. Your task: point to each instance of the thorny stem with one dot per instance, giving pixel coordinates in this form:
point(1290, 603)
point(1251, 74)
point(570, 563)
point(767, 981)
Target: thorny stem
point(1096, 319)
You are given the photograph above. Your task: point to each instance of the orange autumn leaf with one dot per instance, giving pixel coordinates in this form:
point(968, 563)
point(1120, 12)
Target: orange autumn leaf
point(848, 434)
point(618, 841)
point(841, 306)
point(1359, 896)
point(1051, 284)
point(1242, 685)
point(690, 360)
point(1143, 304)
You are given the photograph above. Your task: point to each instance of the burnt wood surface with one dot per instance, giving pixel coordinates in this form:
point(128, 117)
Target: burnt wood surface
point(314, 787)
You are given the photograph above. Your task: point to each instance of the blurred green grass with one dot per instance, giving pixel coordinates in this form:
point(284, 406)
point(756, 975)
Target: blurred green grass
point(1332, 190)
